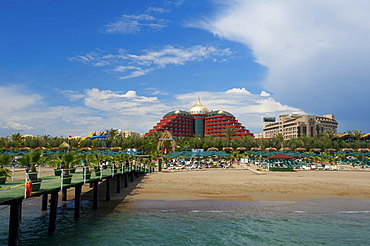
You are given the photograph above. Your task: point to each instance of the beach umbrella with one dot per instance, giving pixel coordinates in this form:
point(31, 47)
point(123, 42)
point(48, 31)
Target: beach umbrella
point(86, 149)
point(362, 150)
point(285, 149)
point(315, 150)
point(228, 149)
point(64, 146)
point(186, 154)
point(271, 149)
point(218, 153)
point(280, 156)
point(116, 149)
point(300, 149)
point(330, 150)
point(256, 149)
point(241, 149)
point(347, 150)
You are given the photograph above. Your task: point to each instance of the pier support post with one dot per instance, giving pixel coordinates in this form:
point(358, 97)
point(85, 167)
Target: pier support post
point(14, 222)
point(132, 176)
point(44, 202)
point(160, 165)
point(53, 212)
point(78, 201)
point(95, 195)
point(107, 191)
point(118, 188)
point(125, 185)
point(64, 194)
point(20, 213)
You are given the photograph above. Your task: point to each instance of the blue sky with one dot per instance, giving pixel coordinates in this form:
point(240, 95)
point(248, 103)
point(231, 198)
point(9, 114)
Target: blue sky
point(72, 67)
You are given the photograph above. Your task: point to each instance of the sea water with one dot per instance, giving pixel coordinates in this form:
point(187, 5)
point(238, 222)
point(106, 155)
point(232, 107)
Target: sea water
point(154, 222)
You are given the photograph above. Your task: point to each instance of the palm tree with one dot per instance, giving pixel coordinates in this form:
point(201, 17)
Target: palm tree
point(277, 140)
point(69, 160)
point(5, 159)
point(229, 132)
point(330, 134)
point(30, 160)
point(88, 159)
point(356, 134)
point(113, 133)
point(16, 137)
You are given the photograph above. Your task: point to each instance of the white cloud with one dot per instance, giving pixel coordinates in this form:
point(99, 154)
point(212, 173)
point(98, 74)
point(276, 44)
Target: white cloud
point(71, 95)
point(155, 91)
point(265, 94)
point(135, 65)
point(317, 52)
point(178, 56)
point(157, 10)
point(239, 91)
point(137, 73)
point(100, 110)
point(17, 126)
point(104, 109)
point(125, 68)
point(16, 97)
point(129, 103)
point(135, 23)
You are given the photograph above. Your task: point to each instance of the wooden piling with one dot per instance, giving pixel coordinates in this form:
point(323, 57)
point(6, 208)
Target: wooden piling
point(160, 165)
point(132, 176)
point(53, 212)
point(107, 190)
point(125, 185)
point(14, 223)
point(118, 187)
point(77, 213)
point(44, 202)
point(95, 195)
point(64, 194)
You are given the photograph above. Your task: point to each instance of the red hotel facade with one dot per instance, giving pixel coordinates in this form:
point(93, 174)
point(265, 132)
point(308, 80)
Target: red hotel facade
point(199, 121)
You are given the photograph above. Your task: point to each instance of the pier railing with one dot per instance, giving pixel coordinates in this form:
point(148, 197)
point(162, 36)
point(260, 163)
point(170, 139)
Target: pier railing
point(16, 189)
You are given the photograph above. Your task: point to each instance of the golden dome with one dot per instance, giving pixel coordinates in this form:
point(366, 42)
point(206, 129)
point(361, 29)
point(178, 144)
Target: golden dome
point(198, 108)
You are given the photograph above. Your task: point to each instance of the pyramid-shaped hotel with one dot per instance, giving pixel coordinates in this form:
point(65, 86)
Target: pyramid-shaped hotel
point(199, 121)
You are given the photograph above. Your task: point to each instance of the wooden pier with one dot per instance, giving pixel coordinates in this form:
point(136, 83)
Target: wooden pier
point(13, 194)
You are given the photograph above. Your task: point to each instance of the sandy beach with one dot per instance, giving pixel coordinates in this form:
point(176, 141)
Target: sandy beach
point(241, 184)
point(238, 184)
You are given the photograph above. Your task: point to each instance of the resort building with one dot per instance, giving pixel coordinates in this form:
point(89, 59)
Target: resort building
point(199, 121)
point(295, 126)
point(129, 133)
point(259, 135)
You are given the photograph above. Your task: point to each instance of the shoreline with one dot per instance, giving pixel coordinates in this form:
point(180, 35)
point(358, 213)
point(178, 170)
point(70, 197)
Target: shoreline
point(248, 186)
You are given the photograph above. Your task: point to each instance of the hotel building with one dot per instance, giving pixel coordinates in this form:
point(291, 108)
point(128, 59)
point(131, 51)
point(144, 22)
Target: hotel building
point(199, 121)
point(295, 126)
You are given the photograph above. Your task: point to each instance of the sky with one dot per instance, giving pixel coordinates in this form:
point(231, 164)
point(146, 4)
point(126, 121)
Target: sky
point(73, 67)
